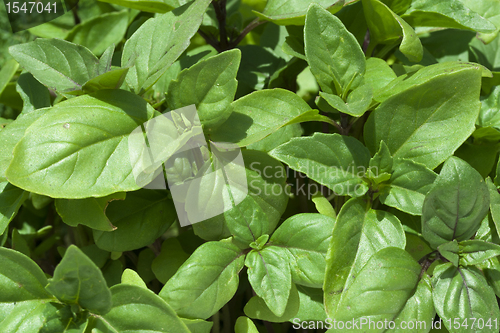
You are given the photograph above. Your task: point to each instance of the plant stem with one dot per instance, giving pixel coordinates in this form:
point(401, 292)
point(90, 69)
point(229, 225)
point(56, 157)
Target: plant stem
point(252, 25)
point(220, 13)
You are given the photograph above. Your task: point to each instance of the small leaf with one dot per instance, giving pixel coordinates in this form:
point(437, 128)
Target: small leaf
point(257, 308)
point(209, 84)
point(158, 42)
point(262, 113)
point(358, 101)
point(90, 212)
point(206, 281)
point(387, 28)
point(407, 187)
point(336, 161)
point(33, 93)
point(112, 79)
point(270, 277)
point(245, 325)
point(453, 14)
point(450, 251)
point(285, 12)
point(456, 204)
point(171, 257)
point(57, 64)
point(11, 199)
point(334, 55)
point(100, 32)
point(7, 72)
point(141, 218)
point(77, 280)
point(131, 277)
point(138, 309)
point(475, 252)
point(306, 238)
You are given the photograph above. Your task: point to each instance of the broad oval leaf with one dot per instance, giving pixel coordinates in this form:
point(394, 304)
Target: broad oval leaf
point(206, 281)
point(270, 277)
point(452, 14)
point(386, 27)
point(335, 161)
point(58, 64)
point(79, 148)
point(391, 273)
point(456, 204)
point(100, 32)
point(77, 280)
point(209, 84)
point(306, 237)
point(463, 293)
point(359, 233)
point(159, 42)
point(334, 55)
point(137, 309)
point(139, 219)
point(293, 12)
point(407, 187)
point(411, 122)
point(261, 113)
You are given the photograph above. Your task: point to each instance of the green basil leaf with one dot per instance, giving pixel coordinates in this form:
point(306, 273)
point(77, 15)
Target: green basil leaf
point(171, 257)
point(335, 57)
point(359, 233)
point(139, 219)
point(489, 10)
point(358, 101)
point(100, 32)
point(198, 325)
point(306, 237)
point(419, 309)
point(150, 6)
point(450, 251)
point(266, 179)
point(245, 325)
point(12, 134)
point(463, 293)
point(335, 161)
point(131, 277)
point(311, 304)
point(456, 204)
point(112, 79)
point(79, 148)
point(57, 64)
point(262, 113)
point(257, 308)
point(494, 204)
point(159, 42)
point(453, 14)
point(7, 73)
point(214, 84)
point(387, 28)
point(77, 280)
point(368, 294)
point(409, 121)
point(382, 160)
point(34, 94)
point(475, 252)
point(11, 199)
point(285, 12)
point(138, 309)
point(407, 187)
point(378, 74)
point(491, 271)
point(90, 212)
point(270, 277)
point(206, 281)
